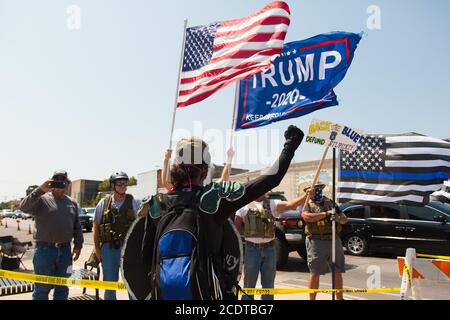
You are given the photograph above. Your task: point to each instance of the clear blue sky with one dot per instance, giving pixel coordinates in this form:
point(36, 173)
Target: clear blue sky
point(100, 99)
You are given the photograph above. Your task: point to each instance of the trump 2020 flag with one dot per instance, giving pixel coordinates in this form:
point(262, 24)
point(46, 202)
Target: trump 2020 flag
point(300, 81)
point(394, 169)
point(220, 53)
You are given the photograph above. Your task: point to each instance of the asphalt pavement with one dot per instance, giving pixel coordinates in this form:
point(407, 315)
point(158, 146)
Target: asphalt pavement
point(379, 271)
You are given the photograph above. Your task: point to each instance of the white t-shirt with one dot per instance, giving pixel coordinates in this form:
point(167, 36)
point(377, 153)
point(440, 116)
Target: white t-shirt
point(99, 208)
point(273, 210)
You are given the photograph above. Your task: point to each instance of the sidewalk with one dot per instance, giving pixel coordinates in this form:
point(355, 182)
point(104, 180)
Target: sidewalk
point(22, 235)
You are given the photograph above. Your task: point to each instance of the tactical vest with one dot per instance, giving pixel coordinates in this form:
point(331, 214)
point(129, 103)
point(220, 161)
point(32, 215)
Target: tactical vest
point(323, 229)
point(114, 223)
point(259, 223)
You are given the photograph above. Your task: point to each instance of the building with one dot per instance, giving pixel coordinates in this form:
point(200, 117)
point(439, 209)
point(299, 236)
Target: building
point(150, 182)
point(298, 176)
point(84, 190)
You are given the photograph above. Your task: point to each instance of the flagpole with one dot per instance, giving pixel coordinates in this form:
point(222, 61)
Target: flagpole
point(333, 232)
point(178, 83)
point(233, 120)
point(316, 176)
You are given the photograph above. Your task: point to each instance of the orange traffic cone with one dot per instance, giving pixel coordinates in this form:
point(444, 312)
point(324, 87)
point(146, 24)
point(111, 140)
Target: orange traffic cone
point(29, 229)
point(18, 225)
point(6, 224)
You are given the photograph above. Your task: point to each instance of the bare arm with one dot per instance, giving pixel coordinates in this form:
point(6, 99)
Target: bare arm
point(314, 217)
point(226, 172)
point(238, 222)
point(95, 234)
point(343, 218)
point(283, 206)
point(165, 179)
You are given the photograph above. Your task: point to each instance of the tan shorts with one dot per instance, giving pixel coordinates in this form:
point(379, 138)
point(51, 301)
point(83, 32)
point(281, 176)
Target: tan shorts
point(319, 256)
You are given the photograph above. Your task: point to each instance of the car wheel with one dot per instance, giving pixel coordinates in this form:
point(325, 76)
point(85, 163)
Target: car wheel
point(302, 252)
point(281, 253)
point(356, 245)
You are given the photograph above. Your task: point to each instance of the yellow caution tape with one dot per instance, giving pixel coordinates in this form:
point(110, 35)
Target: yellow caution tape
point(263, 291)
point(433, 256)
point(60, 281)
point(109, 285)
point(408, 274)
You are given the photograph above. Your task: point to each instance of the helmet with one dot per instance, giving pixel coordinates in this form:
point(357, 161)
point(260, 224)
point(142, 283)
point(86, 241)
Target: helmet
point(118, 175)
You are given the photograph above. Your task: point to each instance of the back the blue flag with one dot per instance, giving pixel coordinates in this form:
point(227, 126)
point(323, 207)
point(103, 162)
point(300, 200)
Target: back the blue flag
point(300, 81)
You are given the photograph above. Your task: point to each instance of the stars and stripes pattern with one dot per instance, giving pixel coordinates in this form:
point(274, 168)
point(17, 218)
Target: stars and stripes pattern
point(220, 53)
point(394, 169)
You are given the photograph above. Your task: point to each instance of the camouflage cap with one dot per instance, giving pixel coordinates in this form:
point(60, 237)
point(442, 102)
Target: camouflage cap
point(193, 151)
point(318, 185)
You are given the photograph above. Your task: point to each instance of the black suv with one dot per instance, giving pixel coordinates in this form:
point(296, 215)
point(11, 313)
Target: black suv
point(85, 220)
point(392, 228)
point(289, 233)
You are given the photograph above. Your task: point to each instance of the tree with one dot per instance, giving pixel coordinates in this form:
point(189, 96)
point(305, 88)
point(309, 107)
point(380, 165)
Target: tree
point(132, 181)
point(104, 186)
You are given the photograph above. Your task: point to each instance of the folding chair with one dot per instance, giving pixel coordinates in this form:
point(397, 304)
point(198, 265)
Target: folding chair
point(12, 248)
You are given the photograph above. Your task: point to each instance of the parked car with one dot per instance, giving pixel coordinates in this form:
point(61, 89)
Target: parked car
point(9, 214)
point(393, 228)
point(85, 220)
point(290, 236)
point(90, 212)
point(21, 215)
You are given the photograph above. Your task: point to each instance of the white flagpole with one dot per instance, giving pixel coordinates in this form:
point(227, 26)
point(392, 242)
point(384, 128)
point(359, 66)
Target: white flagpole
point(178, 83)
point(233, 121)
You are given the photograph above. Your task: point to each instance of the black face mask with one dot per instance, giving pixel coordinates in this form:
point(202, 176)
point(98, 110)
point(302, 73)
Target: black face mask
point(318, 195)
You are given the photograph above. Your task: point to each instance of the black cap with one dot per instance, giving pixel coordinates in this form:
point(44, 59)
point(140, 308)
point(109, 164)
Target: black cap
point(61, 173)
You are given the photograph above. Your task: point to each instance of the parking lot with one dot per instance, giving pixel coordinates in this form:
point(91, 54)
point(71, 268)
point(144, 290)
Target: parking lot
point(362, 272)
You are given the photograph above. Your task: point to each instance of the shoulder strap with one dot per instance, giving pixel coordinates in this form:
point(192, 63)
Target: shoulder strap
point(106, 204)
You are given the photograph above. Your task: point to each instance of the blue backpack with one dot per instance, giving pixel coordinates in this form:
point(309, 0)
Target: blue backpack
point(183, 266)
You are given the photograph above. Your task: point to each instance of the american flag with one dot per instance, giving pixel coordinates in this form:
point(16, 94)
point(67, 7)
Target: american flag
point(394, 169)
point(220, 53)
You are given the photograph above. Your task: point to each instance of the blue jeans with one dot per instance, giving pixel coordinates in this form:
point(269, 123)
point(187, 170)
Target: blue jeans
point(258, 260)
point(111, 266)
point(52, 262)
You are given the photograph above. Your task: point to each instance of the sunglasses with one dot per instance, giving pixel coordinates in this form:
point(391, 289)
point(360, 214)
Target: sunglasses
point(121, 183)
point(59, 178)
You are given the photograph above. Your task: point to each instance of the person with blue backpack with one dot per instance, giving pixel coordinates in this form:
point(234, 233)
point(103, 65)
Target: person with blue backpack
point(179, 247)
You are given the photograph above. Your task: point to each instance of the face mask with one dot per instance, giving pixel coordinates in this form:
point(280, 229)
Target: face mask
point(318, 195)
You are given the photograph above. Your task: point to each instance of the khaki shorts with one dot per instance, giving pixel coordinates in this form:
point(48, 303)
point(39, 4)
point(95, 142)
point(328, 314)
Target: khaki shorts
point(319, 256)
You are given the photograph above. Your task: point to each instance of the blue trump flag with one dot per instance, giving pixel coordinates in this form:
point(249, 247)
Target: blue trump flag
point(300, 81)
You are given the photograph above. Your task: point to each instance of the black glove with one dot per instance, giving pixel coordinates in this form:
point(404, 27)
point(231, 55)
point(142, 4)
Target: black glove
point(294, 135)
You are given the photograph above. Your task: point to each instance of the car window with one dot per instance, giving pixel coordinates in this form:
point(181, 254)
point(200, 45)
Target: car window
point(444, 207)
point(355, 212)
point(422, 213)
point(385, 212)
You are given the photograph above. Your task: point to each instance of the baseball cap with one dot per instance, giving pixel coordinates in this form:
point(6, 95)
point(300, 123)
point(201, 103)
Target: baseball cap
point(319, 185)
point(60, 173)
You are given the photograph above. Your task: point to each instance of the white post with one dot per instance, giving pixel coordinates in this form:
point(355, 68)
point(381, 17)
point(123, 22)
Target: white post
point(178, 83)
point(407, 273)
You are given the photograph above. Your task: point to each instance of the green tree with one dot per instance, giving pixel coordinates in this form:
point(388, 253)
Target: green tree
point(132, 181)
point(104, 186)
